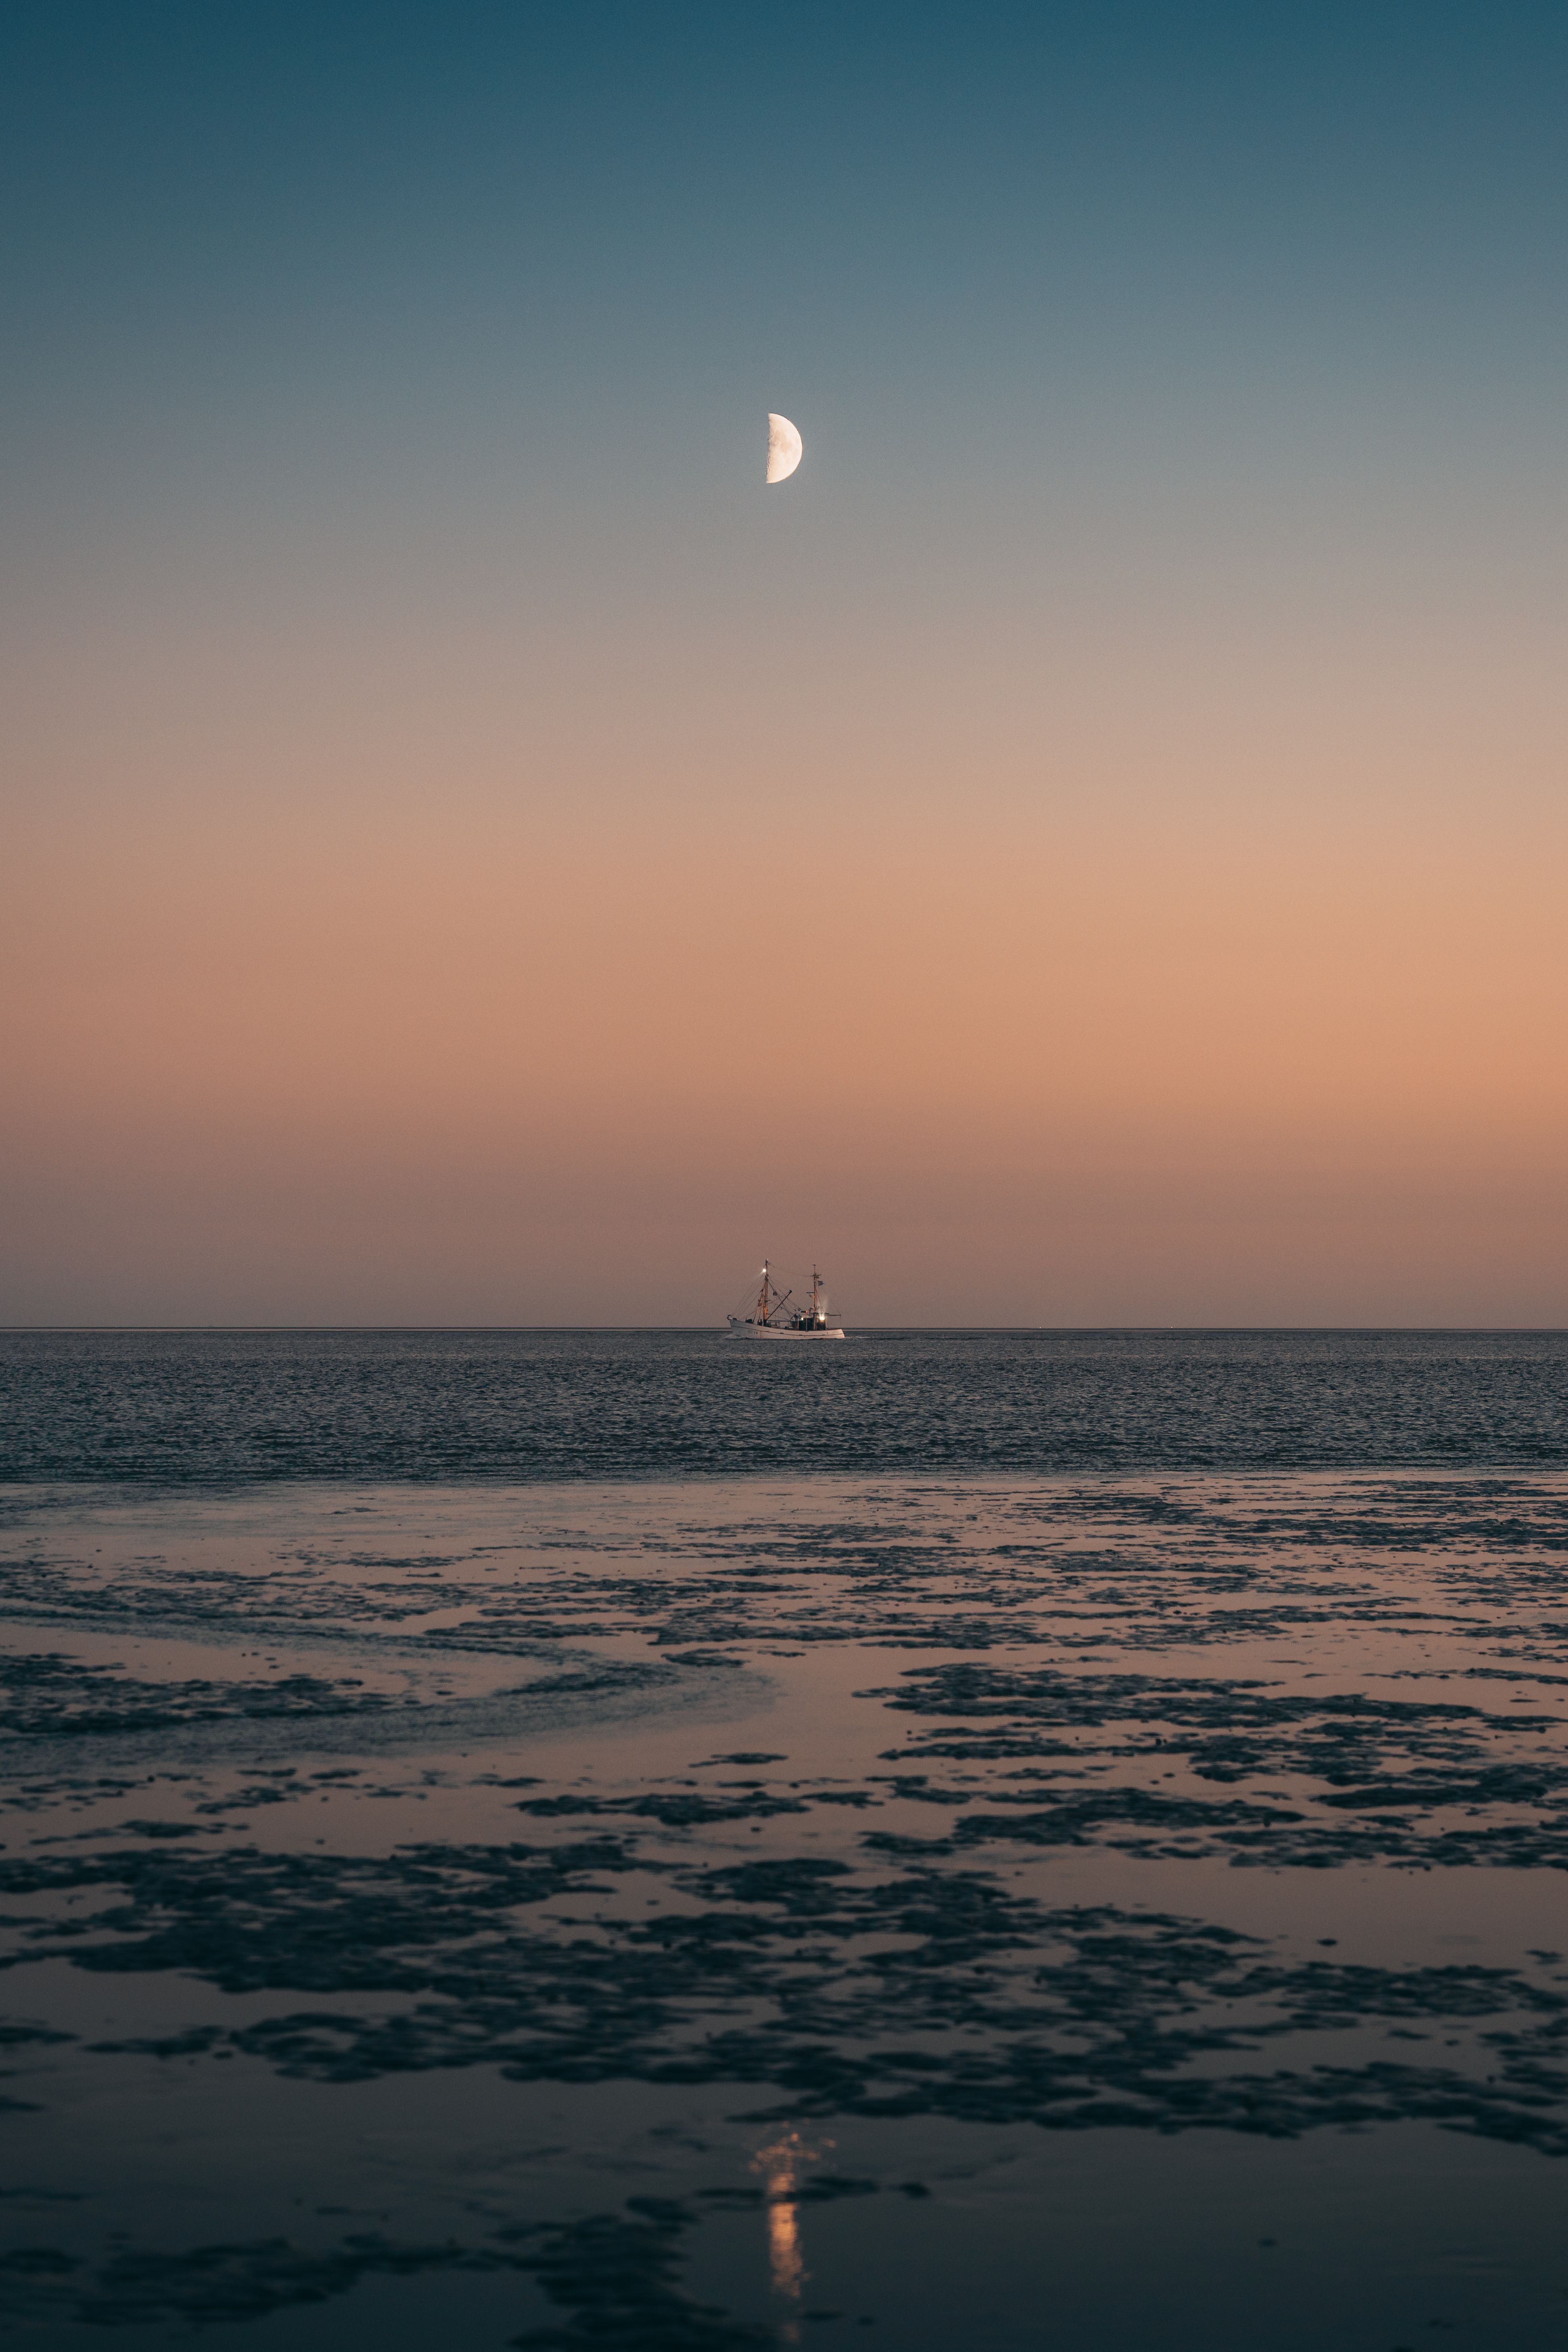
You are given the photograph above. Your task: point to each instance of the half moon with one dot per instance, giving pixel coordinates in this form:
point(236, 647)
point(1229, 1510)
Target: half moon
point(785, 449)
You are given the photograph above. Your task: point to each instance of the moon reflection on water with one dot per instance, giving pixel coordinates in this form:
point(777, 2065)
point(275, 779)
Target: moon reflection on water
point(780, 2164)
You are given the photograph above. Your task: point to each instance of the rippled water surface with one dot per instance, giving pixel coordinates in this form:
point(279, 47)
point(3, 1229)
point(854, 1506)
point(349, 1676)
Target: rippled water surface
point(459, 1886)
point(603, 1404)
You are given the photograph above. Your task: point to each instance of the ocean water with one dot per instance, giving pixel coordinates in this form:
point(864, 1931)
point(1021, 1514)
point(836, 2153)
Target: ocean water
point(584, 1840)
point(176, 1407)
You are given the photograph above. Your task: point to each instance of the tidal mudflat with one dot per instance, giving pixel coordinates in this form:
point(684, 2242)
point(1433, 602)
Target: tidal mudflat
point(1015, 1911)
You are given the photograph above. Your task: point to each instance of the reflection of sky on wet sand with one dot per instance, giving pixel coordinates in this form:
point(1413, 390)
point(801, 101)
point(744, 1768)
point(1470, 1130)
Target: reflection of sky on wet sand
point(566, 1887)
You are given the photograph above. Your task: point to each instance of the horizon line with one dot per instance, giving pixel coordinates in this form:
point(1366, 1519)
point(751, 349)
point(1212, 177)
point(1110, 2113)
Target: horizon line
point(867, 1330)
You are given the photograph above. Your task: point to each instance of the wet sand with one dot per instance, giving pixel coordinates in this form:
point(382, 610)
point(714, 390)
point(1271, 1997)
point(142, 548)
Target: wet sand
point(1122, 1909)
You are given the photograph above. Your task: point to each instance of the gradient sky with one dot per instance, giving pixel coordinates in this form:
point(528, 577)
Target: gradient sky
point(1089, 849)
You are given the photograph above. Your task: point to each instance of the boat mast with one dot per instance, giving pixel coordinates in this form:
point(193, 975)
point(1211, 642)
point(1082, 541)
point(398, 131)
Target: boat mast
point(763, 1296)
point(816, 1280)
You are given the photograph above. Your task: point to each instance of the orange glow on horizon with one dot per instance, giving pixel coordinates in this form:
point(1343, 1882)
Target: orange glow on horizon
point(1112, 1030)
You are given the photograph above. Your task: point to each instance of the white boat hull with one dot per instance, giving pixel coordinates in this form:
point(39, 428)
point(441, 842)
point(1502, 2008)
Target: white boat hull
point(740, 1328)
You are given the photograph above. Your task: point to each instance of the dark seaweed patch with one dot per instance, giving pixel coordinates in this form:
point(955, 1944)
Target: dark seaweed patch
point(922, 1991)
point(57, 1697)
point(616, 2277)
point(1360, 1754)
point(616, 2273)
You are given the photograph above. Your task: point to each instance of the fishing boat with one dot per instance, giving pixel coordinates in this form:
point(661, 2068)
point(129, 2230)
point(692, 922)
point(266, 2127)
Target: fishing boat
point(772, 1318)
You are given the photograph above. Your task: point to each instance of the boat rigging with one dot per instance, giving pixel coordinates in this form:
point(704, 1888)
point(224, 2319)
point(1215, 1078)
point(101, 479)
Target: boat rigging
point(770, 1316)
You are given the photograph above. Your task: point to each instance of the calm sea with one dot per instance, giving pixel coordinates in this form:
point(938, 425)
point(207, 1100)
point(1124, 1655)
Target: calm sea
point(525, 1405)
point(643, 1843)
